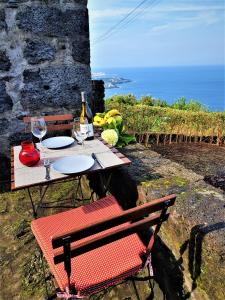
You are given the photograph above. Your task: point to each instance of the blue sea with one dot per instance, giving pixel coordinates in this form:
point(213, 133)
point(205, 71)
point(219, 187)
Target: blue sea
point(203, 83)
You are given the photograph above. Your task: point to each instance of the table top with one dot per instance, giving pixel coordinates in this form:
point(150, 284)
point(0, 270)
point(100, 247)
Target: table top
point(24, 177)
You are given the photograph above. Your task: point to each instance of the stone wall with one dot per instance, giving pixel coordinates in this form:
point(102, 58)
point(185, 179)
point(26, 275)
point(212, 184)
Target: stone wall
point(44, 62)
point(98, 95)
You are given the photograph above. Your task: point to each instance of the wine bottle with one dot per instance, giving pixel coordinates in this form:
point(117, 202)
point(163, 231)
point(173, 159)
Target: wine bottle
point(86, 118)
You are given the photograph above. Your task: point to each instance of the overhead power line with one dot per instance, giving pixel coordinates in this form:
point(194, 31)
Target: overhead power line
point(126, 20)
point(143, 11)
point(123, 19)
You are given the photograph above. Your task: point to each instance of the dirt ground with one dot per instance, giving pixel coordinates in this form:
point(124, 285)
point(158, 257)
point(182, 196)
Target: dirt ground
point(204, 159)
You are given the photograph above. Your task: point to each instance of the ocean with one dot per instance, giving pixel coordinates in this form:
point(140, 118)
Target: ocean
point(205, 84)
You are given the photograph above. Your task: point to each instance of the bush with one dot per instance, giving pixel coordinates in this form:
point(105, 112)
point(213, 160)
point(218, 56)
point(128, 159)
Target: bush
point(143, 119)
point(120, 99)
point(192, 105)
point(150, 101)
point(180, 103)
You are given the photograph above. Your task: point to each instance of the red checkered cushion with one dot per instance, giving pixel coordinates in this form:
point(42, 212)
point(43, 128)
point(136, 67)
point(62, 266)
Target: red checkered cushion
point(99, 268)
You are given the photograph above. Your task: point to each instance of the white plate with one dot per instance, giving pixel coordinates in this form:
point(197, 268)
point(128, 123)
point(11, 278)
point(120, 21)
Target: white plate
point(73, 164)
point(58, 142)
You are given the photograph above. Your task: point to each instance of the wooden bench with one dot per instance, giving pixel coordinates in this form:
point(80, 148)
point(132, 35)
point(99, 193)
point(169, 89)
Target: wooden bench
point(95, 246)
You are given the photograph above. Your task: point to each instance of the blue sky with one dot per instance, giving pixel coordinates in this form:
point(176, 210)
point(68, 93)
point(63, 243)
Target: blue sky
point(167, 32)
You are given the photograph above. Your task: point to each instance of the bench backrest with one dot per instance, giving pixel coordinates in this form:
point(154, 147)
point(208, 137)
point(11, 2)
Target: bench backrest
point(54, 122)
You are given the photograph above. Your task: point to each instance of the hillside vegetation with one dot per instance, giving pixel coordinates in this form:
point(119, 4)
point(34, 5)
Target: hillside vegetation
point(187, 121)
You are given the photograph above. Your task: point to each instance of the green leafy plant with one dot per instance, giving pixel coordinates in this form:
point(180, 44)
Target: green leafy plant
point(112, 123)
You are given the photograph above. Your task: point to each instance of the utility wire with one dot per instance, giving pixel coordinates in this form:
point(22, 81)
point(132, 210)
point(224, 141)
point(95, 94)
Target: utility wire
point(121, 25)
point(129, 21)
point(152, 4)
point(122, 20)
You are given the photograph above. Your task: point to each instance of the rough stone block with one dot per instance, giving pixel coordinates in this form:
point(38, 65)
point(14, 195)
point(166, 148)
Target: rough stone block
point(4, 124)
point(53, 22)
point(18, 137)
point(98, 94)
point(82, 2)
point(2, 19)
point(54, 87)
point(5, 100)
point(81, 51)
point(5, 167)
point(13, 3)
point(37, 51)
point(5, 63)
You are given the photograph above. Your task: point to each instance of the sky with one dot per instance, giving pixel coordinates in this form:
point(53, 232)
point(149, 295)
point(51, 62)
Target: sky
point(158, 33)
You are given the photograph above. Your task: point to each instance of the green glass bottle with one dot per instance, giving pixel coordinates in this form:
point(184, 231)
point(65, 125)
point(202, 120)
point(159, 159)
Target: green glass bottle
point(86, 118)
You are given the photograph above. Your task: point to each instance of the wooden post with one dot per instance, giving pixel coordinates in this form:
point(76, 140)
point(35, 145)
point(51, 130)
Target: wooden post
point(157, 139)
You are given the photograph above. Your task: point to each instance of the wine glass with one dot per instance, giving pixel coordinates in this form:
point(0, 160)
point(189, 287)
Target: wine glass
point(80, 136)
point(38, 128)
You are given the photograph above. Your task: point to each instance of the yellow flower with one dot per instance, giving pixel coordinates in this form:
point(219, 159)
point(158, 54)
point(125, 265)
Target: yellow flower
point(98, 121)
point(112, 113)
point(97, 118)
point(111, 120)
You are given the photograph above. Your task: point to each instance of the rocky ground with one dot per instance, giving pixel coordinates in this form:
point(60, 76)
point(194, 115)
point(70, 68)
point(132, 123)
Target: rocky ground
point(193, 239)
point(204, 159)
point(188, 258)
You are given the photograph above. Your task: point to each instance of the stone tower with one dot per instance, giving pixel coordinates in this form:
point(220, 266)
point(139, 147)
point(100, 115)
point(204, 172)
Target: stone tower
point(44, 62)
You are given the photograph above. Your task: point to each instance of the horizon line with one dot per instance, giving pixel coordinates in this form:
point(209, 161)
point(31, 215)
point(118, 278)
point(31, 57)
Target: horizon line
point(159, 66)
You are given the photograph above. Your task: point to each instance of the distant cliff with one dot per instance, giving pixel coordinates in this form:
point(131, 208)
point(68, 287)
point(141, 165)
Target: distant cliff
point(111, 82)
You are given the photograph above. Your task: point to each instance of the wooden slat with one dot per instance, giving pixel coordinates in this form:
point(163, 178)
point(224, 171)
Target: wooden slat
point(12, 168)
point(123, 217)
point(120, 155)
point(114, 150)
point(111, 237)
point(126, 160)
point(91, 171)
point(50, 118)
point(55, 127)
point(105, 143)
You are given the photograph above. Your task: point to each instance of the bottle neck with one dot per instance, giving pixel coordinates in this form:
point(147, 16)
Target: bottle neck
point(83, 97)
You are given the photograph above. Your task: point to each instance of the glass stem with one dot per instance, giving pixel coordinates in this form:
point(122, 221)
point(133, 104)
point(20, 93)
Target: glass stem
point(41, 152)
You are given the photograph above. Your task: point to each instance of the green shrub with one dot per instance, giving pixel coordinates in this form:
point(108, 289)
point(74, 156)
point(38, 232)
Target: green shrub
point(143, 119)
point(180, 103)
point(192, 105)
point(150, 101)
point(121, 99)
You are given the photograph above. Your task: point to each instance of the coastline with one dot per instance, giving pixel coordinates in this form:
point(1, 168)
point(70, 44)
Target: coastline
point(202, 83)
